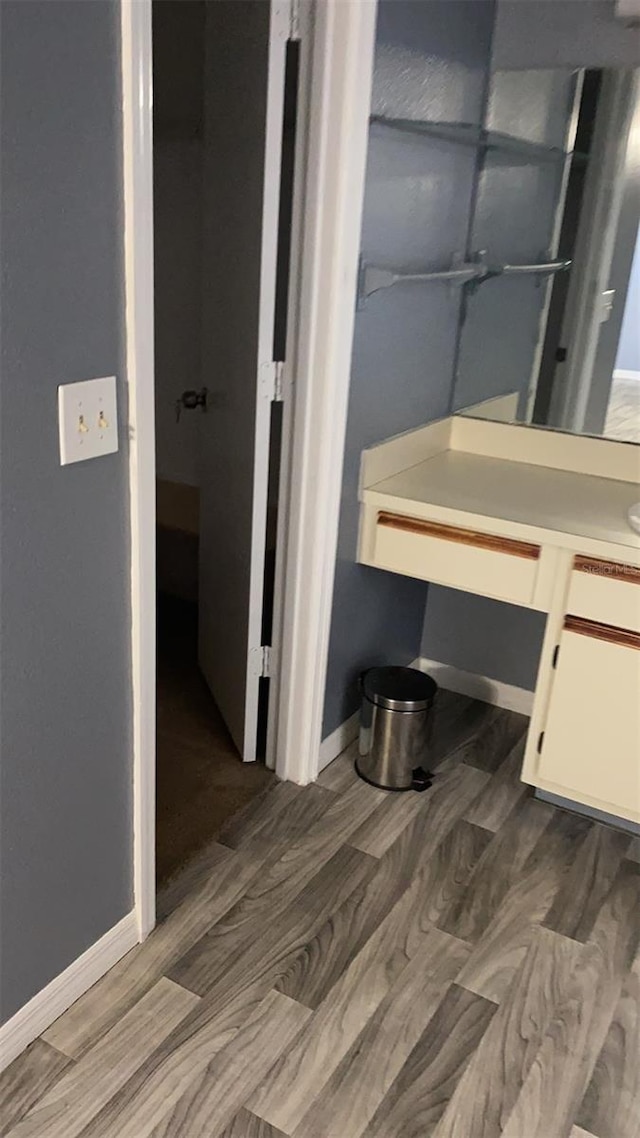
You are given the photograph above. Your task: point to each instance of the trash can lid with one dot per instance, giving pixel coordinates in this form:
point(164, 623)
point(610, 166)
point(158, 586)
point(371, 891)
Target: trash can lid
point(399, 689)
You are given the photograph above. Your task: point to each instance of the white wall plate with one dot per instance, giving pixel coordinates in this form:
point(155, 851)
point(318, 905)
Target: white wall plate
point(87, 419)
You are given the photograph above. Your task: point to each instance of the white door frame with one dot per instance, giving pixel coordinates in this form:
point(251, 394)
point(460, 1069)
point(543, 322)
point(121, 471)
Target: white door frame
point(137, 111)
point(339, 107)
point(341, 58)
point(302, 23)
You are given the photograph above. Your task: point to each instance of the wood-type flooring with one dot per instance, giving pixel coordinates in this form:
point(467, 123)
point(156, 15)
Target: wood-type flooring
point(349, 963)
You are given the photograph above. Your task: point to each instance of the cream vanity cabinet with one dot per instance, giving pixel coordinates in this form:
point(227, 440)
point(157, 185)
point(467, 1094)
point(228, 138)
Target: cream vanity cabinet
point(540, 520)
point(587, 717)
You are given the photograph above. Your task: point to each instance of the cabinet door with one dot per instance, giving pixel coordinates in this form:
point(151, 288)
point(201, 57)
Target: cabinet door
point(590, 749)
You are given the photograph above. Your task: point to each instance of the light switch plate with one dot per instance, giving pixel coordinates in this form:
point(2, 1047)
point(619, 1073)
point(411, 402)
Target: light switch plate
point(87, 419)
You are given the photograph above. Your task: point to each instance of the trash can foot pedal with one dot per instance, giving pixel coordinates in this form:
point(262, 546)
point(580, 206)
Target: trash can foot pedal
point(422, 779)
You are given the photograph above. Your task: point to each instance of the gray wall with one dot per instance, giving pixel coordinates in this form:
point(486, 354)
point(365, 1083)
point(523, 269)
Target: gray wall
point(563, 33)
point(477, 634)
point(431, 63)
point(65, 762)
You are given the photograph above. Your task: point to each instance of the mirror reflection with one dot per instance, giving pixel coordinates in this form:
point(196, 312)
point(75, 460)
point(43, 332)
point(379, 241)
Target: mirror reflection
point(550, 306)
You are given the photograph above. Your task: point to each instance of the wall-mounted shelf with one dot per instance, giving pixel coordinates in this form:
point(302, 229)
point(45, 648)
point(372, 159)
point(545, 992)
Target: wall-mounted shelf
point(520, 150)
point(374, 278)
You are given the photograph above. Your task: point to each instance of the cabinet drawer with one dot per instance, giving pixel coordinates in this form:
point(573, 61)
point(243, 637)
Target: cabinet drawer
point(605, 591)
point(463, 559)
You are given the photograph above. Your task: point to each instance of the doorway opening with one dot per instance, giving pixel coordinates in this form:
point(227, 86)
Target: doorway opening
point(225, 94)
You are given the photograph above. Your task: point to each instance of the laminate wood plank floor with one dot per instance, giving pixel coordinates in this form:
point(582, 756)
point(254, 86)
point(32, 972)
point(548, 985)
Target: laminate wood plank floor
point(349, 963)
point(27, 1080)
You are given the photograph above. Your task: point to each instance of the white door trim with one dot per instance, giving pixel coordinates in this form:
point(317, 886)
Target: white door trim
point(301, 30)
point(137, 110)
point(341, 69)
point(342, 66)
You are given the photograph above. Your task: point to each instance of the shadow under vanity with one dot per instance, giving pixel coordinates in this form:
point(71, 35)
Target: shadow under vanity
point(498, 272)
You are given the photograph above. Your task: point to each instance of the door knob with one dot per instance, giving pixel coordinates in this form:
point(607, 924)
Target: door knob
point(189, 400)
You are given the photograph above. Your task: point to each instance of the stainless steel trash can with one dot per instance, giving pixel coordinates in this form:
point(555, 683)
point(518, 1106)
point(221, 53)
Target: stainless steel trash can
point(395, 728)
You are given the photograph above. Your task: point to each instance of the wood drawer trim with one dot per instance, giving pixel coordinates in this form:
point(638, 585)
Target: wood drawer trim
point(597, 631)
point(479, 540)
point(612, 570)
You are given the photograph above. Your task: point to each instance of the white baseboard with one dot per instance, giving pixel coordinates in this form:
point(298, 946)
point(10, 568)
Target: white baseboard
point(45, 1007)
point(335, 743)
point(624, 373)
point(478, 687)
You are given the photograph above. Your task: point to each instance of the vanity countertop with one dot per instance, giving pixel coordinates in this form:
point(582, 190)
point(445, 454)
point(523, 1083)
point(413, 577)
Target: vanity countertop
point(557, 501)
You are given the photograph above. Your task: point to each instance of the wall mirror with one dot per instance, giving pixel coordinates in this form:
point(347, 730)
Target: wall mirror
point(499, 258)
point(550, 323)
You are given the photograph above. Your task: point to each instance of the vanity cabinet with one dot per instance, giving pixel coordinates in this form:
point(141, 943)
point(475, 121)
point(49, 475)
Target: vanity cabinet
point(588, 718)
point(538, 520)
